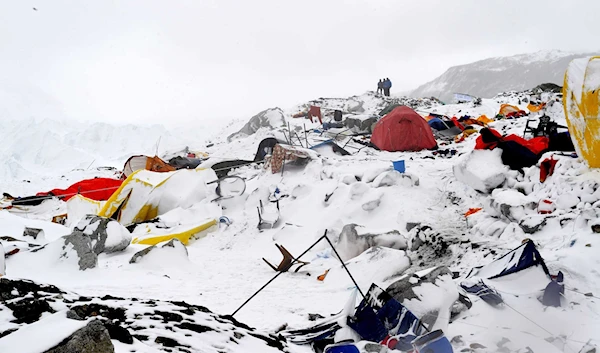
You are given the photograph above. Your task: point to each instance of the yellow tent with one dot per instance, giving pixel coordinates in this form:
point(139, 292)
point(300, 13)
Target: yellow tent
point(535, 108)
point(506, 109)
point(144, 195)
point(581, 100)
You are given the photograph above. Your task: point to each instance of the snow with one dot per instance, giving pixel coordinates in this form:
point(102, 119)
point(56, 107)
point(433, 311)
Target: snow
point(225, 267)
point(41, 335)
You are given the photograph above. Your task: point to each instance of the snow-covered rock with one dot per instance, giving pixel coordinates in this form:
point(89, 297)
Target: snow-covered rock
point(482, 170)
point(567, 201)
point(511, 204)
point(107, 235)
point(168, 253)
point(75, 249)
point(2, 261)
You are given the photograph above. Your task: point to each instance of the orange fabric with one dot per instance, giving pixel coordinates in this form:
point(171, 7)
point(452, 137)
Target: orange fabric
point(484, 119)
point(506, 109)
point(156, 164)
point(536, 145)
point(535, 108)
point(322, 277)
point(458, 124)
point(472, 211)
point(480, 145)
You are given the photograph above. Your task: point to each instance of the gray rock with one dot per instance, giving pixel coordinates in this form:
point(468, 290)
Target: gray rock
point(176, 244)
point(96, 228)
point(71, 314)
point(533, 224)
point(173, 243)
point(33, 232)
point(93, 338)
point(269, 118)
point(83, 248)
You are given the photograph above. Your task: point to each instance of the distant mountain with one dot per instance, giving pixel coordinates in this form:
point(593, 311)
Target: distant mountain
point(488, 77)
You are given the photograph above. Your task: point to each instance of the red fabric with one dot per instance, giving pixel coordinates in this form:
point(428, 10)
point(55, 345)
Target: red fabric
point(403, 129)
point(98, 189)
point(480, 145)
point(547, 168)
point(458, 124)
point(315, 112)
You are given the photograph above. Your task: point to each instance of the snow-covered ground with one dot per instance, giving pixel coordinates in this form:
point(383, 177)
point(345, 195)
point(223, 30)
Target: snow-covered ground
point(225, 268)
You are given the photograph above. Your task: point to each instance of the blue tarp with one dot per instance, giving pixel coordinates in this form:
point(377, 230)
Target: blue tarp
point(383, 316)
point(438, 124)
point(521, 258)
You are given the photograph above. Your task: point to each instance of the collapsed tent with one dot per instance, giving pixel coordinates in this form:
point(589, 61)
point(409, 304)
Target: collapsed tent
point(519, 259)
point(581, 102)
point(403, 130)
point(180, 162)
point(517, 152)
point(96, 189)
point(154, 164)
point(144, 194)
point(506, 109)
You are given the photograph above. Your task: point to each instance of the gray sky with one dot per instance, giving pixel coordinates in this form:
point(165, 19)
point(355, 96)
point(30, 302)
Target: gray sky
point(198, 60)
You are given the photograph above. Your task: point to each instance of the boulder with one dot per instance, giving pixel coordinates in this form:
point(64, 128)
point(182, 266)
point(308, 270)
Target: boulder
point(482, 170)
point(567, 201)
point(93, 338)
point(270, 118)
point(354, 240)
point(511, 204)
point(107, 235)
point(70, 248)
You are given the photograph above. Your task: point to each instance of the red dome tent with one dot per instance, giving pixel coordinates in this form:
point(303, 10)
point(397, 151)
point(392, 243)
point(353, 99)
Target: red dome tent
point(403, 129)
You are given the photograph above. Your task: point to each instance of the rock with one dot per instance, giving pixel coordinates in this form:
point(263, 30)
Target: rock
point(168, 342)
point(140, 254)
point(176, 244)
point(71, 314)
point(512, 204)
point(355, 106)
point(482, 170)
point(107, 235)
point(119, 333)
point(595, 228)
point(82, 245)
point(2, 261)
point(269, 118)
point(373, 200)
point(533, 223)
point(29, 310)
point(567, 201)
point(35, 233)
point(93, 338)
point(351, 243)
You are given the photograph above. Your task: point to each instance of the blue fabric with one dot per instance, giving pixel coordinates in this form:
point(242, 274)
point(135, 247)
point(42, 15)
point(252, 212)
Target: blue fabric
point(438, 344)
point(345, 348)
point(382, 316)
point(438, 124)
point(529, 257)
point(387, 84)
point(486, 293)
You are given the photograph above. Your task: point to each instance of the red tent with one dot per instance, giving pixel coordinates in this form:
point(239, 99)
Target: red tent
point(99, 189)
point(403, 129)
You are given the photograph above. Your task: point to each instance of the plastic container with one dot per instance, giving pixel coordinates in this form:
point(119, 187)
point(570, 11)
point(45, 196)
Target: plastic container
point(399, 166)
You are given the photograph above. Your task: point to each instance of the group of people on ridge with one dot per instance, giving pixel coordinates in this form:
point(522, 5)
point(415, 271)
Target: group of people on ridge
point(383, 86)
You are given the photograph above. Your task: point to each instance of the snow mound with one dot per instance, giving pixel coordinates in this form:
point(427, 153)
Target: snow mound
point(270, 119)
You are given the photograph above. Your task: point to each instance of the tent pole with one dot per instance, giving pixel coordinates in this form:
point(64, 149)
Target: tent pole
point(344, 265)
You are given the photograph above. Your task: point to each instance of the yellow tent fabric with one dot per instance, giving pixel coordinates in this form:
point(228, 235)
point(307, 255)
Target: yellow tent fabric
point(535, 108)
point(183, 233)
point(484, 119)
point(79, 206)
point(144, 195)
point(505, 109)
point(581, 101)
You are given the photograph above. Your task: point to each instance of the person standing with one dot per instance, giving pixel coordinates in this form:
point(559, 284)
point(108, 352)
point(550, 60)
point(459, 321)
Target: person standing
point(380, 87)
point(387, 84)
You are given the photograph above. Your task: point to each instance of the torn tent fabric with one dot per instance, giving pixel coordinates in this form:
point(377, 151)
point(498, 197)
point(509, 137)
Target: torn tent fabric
point(381, 317)
point(519, 259)
point(547, 168)
point(98, 189)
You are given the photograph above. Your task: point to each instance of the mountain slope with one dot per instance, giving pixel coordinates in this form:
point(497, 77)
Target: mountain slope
point(486, 78)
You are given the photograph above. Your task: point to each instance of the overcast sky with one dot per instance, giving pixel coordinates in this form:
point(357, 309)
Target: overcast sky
point(195, 60)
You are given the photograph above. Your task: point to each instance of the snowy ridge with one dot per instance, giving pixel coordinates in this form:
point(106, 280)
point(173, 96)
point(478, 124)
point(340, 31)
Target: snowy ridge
point(486, 78)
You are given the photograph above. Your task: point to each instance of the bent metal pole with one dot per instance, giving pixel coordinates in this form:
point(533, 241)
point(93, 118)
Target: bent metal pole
point(324, 236)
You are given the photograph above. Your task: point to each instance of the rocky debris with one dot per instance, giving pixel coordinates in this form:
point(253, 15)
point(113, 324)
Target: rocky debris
point(510, 204)
point(93, 338)
point(533, 223)
point(35, 233)
point(423, 238)
point(175, 244)
point(270, 118)
point(567, 201)
point(372, 200)
point(107, 235)
point(165, 326)
point(352, 243)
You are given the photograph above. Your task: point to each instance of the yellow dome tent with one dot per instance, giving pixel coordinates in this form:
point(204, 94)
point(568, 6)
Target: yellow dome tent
point(581, 101)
